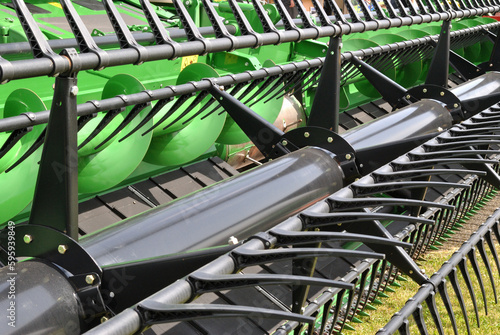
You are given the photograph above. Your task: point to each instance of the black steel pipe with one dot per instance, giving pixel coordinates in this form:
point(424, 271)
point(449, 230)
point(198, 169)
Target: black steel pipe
point(44, 66)
point(37, 299)
point(259, 200)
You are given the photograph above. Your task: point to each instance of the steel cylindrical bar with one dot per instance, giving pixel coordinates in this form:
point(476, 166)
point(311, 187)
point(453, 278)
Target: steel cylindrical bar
point(421, 118)
point(262, 199)
point(157, 52)
point(37, 299)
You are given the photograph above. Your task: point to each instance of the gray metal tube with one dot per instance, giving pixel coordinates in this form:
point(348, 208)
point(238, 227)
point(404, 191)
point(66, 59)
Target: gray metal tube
point(421, 118)
point(241, 207)
point(37, 299)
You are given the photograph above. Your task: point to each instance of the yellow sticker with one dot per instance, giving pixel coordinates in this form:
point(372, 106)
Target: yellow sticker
point(188, 60)
point(55, 4)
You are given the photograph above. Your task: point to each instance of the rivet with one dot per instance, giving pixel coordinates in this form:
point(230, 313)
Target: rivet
point(232, 240)
point(89, 279)
point(424, 90)
point(74, 90)
point(27, 239)
point(441, 94)
point(329, 139)
point(306, 134)
point(62, 248)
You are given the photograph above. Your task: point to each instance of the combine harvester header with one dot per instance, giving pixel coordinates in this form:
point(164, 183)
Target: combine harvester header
point(370, 152)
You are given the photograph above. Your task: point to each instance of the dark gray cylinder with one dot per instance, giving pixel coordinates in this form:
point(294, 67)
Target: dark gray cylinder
point(418, 119)
point(37, 299)
point(242, 206)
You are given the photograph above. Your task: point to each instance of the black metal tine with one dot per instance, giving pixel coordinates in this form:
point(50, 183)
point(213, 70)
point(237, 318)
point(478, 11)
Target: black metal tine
point(314, 220)
point(13, 138)
point(339, 16)
point(125, 37)
point(205, 282)
point(280, 81)
point(300, 82)
point(233, 92)
point(418, 316)
point(246, 257)
point(37, 144)
point(196, 102)
point(467, 137)
point(249, 88)
point(287, 238)
point(306, 20)
point(473, 260)
point(156, 108)
point(465, 274)
point(486, 261)
point(243, 23)
point(341, 203)
point(381, 176)
point(296, 79)
point(338, 307)
point(107, 118)
point(405, 327)
point(373, 276)
point(348, 308)
point(160, 33)
point(154, 312)
point(367, 14)
point(265, 20)
point(493, 250)
point(447, 304)
point(453, 153)
point(458, 144)
point(83, 38)
point(286, 18)
point(192, 31)
point(475, 125)
point(352, 12)
point(326, 313)
point(453, 278)
point(128, 118)
point(310, 81)
point(323, 17)
point(431, 305)
point(177, 104)
point(390, 9)
point(383, 269)
point(362, 286)
point(438, 162)
point(39, 45)
point(84, 119)
point(266, 83)
point(361, 189)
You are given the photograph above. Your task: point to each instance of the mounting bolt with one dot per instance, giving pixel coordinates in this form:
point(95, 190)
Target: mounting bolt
point(74, 90)
point(410, 272)
point(408, 96)
point(440, 129)
point(104, 319)
point(232, 240)
point(306, 134)
point(424, 90)
point(323, 51)
point(62, 248)
point(441, 94)
point(89, 279)
point(455, 105)
point(27, 239)
point(491, 65)
point(284, 142)
point(329, 139)
point(348, 156)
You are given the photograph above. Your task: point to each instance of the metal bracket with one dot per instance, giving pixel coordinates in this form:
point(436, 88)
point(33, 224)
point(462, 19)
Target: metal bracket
point(154, 312)
point(438, 70)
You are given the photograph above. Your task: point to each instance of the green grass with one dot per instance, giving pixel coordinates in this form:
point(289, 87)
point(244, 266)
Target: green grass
point(489, 324)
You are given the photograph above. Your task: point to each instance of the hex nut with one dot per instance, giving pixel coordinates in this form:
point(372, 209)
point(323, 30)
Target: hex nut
point(27, 239)
point(62, 248)
point(89, 279)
